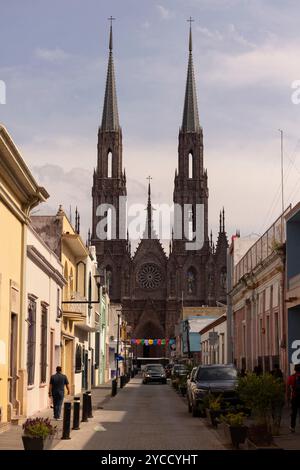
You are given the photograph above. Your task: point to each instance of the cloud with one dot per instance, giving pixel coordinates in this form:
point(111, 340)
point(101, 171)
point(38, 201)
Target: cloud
point(51, 55)
point(164, 13)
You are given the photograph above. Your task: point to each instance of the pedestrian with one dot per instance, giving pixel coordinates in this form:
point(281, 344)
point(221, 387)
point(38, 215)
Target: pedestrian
point(276, 372)
point(57, 385)
point(293, 395)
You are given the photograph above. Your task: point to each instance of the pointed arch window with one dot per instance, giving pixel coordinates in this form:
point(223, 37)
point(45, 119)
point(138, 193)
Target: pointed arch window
point(109, 164)
point(109, 279)
point(191, 281)
point(191, 165)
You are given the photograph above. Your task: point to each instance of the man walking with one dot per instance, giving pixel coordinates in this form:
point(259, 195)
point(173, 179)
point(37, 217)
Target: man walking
point(57, 385)
point(293, 392)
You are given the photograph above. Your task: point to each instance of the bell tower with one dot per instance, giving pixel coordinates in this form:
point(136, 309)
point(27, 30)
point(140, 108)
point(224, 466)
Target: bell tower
point(109, 183)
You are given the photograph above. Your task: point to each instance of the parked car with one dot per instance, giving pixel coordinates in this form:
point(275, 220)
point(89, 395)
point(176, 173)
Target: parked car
point(189, 382)
point(154, 373)
point(216, 380)
point(179, 370)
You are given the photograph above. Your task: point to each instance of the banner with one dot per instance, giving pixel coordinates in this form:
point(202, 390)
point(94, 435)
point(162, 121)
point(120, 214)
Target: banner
point(153, 341)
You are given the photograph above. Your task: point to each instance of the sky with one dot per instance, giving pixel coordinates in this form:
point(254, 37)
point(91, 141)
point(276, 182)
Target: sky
point(53, 60)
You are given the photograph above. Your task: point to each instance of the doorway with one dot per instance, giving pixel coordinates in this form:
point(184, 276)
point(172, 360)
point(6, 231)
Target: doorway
point(13, 365)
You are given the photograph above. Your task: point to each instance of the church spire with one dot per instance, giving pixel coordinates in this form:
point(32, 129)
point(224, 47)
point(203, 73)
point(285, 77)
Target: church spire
point(190, 121)
point(110, 116)
point(149, 232)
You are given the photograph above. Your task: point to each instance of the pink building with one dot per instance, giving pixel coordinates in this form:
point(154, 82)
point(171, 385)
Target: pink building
point(258, 329)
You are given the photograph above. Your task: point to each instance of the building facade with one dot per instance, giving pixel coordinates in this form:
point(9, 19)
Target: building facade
point(44, 283)
point(79, 318)
point(257, 298)
point(151, 285)
point(214, 342)
point(19, 193)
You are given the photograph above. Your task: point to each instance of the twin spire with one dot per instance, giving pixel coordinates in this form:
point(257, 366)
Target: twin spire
point(190, 120)
point(110, 116)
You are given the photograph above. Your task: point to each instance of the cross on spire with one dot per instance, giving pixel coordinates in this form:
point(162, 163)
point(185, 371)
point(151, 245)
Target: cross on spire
point(190, 20)
point(111, 19)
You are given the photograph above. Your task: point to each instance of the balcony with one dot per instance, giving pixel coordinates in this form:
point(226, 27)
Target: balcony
point(75, 311)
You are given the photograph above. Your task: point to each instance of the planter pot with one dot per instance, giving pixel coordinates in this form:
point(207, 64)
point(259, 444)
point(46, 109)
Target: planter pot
point(37, 443)
point(235, 435)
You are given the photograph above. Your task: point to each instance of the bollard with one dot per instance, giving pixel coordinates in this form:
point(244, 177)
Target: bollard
point(114, 388)
point(76, 413)
point(67, 421)
point(85, 409)
point(132, 373)
point(90, 407)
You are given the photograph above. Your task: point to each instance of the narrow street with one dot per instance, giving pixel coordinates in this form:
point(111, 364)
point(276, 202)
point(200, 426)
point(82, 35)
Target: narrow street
point(141, 416)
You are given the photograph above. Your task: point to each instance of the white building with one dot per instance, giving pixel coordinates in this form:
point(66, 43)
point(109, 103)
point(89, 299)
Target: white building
point(214, 342)
point(44, 282)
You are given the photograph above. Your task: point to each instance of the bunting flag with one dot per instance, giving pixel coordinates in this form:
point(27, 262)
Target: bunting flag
point(154, 341)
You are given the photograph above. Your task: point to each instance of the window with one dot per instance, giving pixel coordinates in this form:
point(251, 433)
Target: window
point(276, 325)
point(97, 350)
point(109, 279)
point(31, 340)
point(44, 321)
point(109, 165)
point(190, 165)
point(78, 359)
point(191, 281)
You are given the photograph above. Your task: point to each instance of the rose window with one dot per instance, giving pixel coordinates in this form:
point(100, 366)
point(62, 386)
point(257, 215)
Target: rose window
point(149, 276)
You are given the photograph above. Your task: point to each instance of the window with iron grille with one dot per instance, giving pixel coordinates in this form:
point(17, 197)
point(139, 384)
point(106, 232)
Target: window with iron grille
point(31, 340)
point(78, 359)
point(97, 350)
point(44, 330)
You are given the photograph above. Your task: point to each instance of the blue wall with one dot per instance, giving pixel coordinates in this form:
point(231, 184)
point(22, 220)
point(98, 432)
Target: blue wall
point(294, 335)
point(293, 246)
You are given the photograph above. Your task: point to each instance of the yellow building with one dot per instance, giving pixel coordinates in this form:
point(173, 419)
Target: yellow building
point(19, 193)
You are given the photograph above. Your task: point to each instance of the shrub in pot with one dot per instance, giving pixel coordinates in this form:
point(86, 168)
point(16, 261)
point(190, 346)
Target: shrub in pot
point(38, 434)
point(263, 395)
point(235, 429)
point(214, 409)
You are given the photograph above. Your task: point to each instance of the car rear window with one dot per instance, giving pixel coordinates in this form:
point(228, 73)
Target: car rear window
point(216, 373)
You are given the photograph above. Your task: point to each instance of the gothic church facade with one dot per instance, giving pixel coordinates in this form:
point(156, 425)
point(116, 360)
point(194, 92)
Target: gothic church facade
point(152, 286)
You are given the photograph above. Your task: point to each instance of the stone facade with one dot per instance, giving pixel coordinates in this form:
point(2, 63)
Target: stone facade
point(151, 285)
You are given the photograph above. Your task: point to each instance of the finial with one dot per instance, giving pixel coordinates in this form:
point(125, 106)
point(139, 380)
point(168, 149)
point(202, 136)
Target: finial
point(220, 227)
point(211, 238)
point(190, 20)
point(223, 220)
point(111, 19)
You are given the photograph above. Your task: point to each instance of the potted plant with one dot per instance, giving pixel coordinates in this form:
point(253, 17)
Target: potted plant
point(38, 434)
point(182, 385)
point(235, 429)
point(262, 395)
point(214, 409)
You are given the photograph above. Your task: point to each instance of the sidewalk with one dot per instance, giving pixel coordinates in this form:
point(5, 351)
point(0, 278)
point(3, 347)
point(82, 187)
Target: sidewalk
point(11, 437)
point(287, 440)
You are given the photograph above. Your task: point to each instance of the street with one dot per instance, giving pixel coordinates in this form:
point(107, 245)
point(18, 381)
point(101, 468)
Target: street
point(141, 416)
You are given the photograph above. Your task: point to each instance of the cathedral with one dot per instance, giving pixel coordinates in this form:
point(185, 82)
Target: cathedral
point(151, 286)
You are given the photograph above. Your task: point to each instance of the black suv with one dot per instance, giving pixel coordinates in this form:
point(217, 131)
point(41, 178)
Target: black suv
point(217, 379)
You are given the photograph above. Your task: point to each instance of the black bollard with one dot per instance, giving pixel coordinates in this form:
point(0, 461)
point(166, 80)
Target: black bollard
point(85, 409)
point(76, 413)
point(90, 407)
point(114, 387)
point(67, 421)
point(132, 373)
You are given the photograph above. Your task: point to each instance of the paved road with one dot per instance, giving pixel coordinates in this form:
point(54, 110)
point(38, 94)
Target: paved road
point(141, 416)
